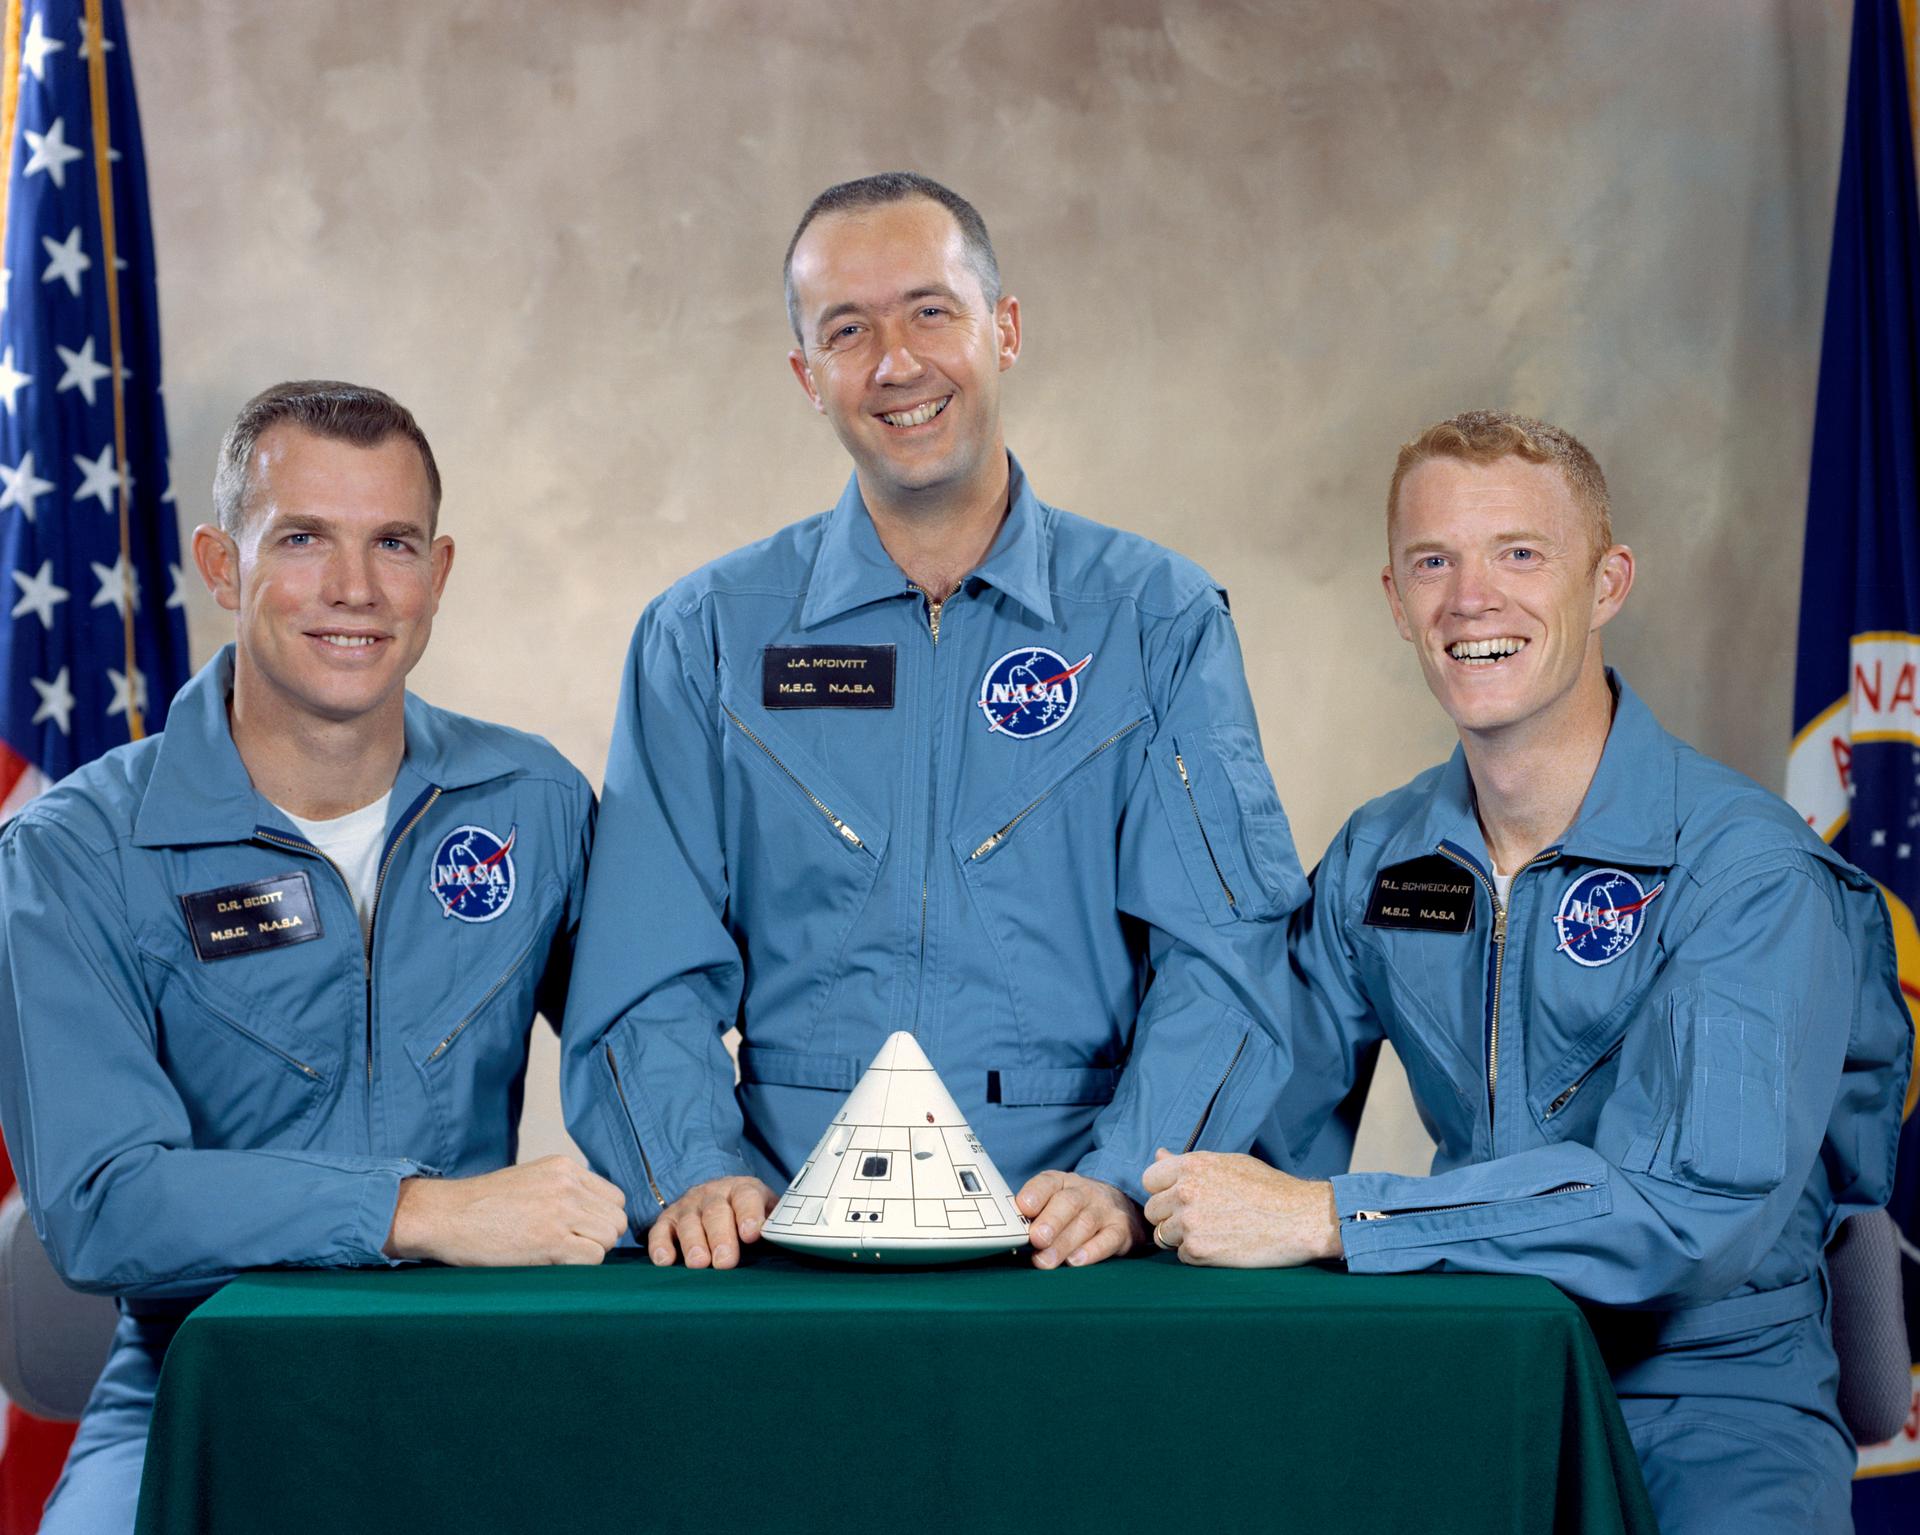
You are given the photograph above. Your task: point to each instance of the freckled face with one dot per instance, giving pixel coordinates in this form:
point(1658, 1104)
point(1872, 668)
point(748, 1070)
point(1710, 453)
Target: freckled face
point(1492, 579)
point(900, 349)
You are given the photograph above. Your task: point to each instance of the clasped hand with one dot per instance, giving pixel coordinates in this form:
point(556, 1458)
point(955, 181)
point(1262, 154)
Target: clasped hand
point(1229, 1210)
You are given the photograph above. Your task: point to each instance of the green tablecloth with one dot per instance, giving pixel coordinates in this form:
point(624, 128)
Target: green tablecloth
point(788, 1396)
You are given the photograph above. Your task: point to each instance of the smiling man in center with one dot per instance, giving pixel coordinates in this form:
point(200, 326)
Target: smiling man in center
point(942, 759)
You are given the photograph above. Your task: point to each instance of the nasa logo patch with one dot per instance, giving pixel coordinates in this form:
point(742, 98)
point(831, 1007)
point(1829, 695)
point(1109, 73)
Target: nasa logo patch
point(1601, 915)
point(472, 874)
point(1030, 691)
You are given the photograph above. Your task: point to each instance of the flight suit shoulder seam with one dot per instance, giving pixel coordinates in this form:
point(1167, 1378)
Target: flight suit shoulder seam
point(36, 822)
point(1710, 891)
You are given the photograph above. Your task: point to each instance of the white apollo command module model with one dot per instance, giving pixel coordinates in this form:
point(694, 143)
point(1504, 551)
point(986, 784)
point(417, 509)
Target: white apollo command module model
point(899, 1176)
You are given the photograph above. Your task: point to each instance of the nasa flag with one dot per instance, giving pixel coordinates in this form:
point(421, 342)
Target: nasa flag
point(1854, 770)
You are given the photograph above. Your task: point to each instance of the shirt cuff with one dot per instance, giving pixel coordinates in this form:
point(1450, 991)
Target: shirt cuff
point(365, 1240)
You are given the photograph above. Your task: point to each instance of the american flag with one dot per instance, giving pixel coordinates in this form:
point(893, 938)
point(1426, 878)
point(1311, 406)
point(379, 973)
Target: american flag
point(94, 641)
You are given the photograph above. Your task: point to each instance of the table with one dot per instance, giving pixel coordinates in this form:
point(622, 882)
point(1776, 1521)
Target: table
point(796, 1396)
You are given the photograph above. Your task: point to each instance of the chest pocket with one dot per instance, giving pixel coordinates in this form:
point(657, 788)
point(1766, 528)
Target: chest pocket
point(803, 859)
point(253, 1044)
point(799, 787)
point(1568, 1091)
point(471, 1053)
point(497, 968)
point(1071, 775)
point(1429, 988)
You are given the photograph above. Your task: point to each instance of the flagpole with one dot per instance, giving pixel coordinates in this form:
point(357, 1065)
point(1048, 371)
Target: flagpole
point(9, 102)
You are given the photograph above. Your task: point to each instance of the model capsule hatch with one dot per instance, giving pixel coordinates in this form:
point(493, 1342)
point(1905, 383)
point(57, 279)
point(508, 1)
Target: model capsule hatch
point(899, 1177)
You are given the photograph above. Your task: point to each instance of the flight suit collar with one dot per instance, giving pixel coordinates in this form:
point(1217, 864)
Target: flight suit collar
point(200, 792)
point(1627, 817)
point(853, 568)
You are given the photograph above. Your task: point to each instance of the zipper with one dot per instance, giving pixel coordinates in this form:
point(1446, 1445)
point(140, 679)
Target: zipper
point(1499, 962)
point(1004, 832)
point(1580, 1081)
point(933, 800)
point(645, 1166)
point(1218, 1088)
point(846, 831)
point(1187, 784)
point(373, 909)
point(481, 1006)
point(1471, 1204)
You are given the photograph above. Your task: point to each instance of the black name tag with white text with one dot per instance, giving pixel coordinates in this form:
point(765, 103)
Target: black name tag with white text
point(1423, 895)
point(244, 919)
point(826, 677)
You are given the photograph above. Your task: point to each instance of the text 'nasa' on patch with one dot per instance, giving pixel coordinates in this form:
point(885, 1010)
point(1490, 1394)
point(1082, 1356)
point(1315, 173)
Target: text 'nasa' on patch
point(472, 876)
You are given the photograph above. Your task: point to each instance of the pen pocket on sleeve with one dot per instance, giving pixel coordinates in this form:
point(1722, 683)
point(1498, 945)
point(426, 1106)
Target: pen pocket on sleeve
point(1730, 1135)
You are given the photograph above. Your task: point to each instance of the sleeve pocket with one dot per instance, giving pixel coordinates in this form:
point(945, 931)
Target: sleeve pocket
point(1266, 841)
point(1731, 1137)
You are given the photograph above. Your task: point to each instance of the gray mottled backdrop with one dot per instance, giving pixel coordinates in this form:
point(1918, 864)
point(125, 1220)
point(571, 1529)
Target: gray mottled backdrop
point(1257, 245)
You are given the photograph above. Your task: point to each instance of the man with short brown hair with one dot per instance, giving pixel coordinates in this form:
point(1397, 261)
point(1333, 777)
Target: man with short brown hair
point(266, 979)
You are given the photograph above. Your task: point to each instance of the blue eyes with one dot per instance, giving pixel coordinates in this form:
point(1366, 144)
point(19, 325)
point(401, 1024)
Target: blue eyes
point(305, 540)
point(1520, 556)
point(925, 312)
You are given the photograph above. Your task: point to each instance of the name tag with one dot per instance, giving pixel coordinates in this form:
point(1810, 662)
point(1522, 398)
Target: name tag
point(826, 677)
point(1425, 895)
point(244, 919)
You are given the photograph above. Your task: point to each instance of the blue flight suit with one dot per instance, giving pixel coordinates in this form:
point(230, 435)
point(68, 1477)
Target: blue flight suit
point(1046, 843)
point(1660, 1077)
point(189, 1090)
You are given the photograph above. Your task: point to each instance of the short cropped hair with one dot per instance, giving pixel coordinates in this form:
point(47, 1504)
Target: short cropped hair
point(1487, 436)
point(898, 187)
point(350, 413)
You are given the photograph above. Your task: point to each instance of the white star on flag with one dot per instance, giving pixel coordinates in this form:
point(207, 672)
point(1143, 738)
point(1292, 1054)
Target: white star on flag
point(65, 260)
point(111, 44)
point(120, 691)
point(35, 47)
point(82, 370)
point(177, 598)
point(51, 152)
point(166, 496)
point(100, 482)
point(12, 380)
point(119, 585)
point(23, 486)
point(56, 702)
point(38, 594)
